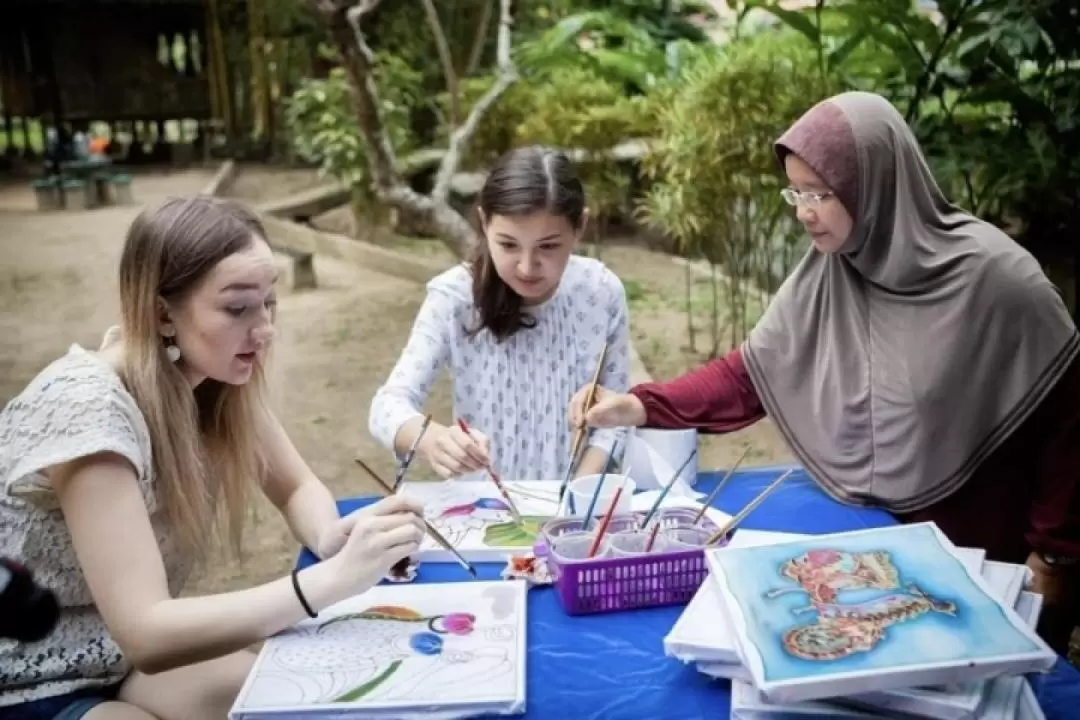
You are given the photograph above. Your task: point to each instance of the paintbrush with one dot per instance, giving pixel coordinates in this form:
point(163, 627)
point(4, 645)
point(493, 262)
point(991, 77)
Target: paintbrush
point(579, 434)
point(667, 488)
point(495, 478)
point(513, 490)
point(605, 522)
point(435, 534)
point(652, 537)
point(750, 507)
point(599, 487)
point(707, 503)
point(407, 460)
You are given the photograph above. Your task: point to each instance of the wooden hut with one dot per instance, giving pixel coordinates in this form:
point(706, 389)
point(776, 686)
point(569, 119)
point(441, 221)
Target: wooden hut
point(134, 65)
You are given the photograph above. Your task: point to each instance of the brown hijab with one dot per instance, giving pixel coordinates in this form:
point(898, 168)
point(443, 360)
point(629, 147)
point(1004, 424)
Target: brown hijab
point(897, 365)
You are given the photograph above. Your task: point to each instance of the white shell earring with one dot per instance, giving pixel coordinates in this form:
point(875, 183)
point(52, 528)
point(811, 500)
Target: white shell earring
point(172, 352)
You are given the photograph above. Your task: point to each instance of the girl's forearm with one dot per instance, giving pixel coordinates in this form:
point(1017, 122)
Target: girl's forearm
point(310, 511)
point(182, 631)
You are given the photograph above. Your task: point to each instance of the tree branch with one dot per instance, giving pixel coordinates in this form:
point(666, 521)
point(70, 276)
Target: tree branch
point(389, 184)
point(480, 39)
point(461, 136)
point(952, 24)
point(445, 59)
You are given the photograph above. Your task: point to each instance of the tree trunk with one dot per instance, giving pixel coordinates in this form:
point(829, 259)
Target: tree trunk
point(343, 22)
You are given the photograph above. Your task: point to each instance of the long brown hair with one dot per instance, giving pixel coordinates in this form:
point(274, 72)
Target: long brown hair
point(206, 451)
point(524, 181)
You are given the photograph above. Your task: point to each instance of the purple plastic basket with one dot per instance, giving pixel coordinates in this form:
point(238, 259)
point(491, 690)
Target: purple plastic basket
point(626, 583)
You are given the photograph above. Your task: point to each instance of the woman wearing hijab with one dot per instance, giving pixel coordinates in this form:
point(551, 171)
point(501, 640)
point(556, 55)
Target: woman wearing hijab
point(917, 359)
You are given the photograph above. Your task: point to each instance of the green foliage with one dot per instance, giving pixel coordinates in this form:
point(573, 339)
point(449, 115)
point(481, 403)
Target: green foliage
point(632, 42)
point(990, 87)
point(323, 121)
point(568, 107)
point(715, 178)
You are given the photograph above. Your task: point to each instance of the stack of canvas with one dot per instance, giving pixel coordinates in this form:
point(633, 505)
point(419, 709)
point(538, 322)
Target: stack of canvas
point(853, 625)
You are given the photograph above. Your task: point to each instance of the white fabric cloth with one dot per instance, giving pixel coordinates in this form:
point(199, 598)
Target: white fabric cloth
point(516, 392)
point(77, 406)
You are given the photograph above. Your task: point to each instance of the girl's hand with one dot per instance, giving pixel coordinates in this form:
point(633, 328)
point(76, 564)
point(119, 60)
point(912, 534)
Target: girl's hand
point(609, 410)
point(453, 453)
point(375, 538)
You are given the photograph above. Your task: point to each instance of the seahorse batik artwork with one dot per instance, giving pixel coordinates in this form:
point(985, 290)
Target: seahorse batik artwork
point(844, 628)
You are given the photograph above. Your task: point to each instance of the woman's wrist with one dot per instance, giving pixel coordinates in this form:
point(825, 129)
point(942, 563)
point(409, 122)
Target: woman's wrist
point(322, 585)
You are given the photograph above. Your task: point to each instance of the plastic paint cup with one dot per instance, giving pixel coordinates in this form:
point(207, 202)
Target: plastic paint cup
point(574, 547)
point(680, 539)
point(672, 518)
point(583, 488)
point(556, 527)
point(632, 544)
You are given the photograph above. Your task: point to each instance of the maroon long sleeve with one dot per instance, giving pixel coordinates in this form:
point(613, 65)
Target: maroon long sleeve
point(715, 398)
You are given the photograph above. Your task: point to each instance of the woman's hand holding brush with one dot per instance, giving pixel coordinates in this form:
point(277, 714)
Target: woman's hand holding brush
point(609, 409)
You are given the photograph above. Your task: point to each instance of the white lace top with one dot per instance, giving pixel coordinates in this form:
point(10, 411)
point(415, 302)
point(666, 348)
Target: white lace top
point(75, 407)
point(517, 392)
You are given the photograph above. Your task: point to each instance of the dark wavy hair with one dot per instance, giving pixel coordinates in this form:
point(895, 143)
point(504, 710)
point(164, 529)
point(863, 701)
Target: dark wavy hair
point(524, 181)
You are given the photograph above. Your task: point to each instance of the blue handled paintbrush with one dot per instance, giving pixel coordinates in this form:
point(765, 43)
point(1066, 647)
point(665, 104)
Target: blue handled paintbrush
point(664, 492)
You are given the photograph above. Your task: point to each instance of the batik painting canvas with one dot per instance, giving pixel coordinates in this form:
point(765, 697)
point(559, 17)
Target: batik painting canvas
point(970, 700)
point(475, 518)
point(856, 612)
point(701, 634)
point(448, 651)
point(994, 699)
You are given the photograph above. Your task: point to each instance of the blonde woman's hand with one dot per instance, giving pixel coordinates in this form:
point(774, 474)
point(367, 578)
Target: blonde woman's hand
point(453, 452)
point(610, 409)
point(377, 537)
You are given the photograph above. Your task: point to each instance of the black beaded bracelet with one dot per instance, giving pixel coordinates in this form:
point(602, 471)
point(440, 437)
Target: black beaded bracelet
point(300, 595)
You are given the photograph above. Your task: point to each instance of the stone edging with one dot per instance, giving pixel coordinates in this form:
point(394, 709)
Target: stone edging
point(223, 176)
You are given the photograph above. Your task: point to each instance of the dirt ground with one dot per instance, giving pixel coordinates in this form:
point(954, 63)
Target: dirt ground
point(337, 344)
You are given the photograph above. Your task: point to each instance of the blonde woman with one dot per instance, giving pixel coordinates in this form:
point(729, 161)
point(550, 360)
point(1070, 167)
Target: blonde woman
point(118, 468)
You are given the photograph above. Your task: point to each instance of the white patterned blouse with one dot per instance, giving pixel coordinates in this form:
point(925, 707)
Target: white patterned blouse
point(516, 392)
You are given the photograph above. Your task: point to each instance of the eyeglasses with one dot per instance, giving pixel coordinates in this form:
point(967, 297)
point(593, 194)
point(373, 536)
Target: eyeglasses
point(809, 200)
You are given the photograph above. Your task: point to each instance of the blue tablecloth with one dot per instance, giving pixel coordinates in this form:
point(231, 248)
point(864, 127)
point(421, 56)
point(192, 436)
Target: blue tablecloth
point(612, 666)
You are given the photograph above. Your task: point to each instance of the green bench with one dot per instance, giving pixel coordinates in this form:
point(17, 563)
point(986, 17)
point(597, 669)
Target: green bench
point(101, 188)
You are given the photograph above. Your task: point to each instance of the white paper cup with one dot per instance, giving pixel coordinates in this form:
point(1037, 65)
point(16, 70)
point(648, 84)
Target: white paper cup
point(582, 490)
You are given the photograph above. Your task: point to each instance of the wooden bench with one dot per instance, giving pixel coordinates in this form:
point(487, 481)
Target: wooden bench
point(303, 266)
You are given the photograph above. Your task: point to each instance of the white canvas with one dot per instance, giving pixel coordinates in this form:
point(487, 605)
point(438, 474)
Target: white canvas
point(1027, 705)
point(857, 612)
point(974, 699)
point(994, 699)
point(475, 519)
point(444, 651)
point(1008, 578)
point(748, 704)
point(714, 648)
point(701, 633)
